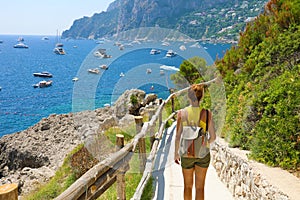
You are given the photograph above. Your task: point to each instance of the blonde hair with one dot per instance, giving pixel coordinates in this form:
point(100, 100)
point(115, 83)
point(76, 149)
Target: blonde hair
point(196, 92)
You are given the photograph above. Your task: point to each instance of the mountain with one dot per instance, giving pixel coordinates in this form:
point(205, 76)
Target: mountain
point(197, 19)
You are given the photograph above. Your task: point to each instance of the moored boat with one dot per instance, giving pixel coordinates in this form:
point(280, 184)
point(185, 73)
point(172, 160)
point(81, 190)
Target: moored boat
point(59, 51)
point(42, 84)
point(104, 67)
point(170, 54)
point(94, 71)
point(43, 74)
point(154, 52)
point(21, 46)
point(75, 79)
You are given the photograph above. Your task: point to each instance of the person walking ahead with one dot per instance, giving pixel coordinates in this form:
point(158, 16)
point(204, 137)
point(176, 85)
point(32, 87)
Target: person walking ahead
point(194, 165)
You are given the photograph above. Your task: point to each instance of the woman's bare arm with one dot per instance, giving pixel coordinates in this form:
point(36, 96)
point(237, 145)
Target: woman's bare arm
point(211, 128)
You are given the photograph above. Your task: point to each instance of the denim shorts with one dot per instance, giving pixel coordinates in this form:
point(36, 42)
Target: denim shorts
point(190, 162)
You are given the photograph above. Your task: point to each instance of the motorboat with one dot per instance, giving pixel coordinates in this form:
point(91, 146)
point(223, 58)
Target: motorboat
point(75, 79)
point(102, 53)
point(0, 88)
point(104, 67)
point(59, 51)
point(42, 84)
point(45, 38)
point(94, 71)
point(165, 44)
point(154, 52)
point(148, 71)
point(170, 54)
point(162, 72)
point(21, 46)
point(43, 74)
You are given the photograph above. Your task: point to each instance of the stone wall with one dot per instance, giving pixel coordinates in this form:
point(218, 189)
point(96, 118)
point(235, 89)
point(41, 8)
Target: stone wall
point(242, 180)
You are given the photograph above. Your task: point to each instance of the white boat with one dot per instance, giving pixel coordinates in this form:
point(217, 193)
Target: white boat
point(75, 79)
point(43, 74)
point(122, 74)
point(104, 67)
point(162, 72)
point(42, 84)
point(21, 46)
point(148, 71)
point(165, 44)
point(0, 88)
point(45, 38)
point(94, 71)
point(154, 52)
point(59, 51)
point(170, 54)
point(102, 53)
point(59, 46)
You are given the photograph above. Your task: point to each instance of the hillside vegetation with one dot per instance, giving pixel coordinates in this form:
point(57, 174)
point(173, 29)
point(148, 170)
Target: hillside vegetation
point(262, 80)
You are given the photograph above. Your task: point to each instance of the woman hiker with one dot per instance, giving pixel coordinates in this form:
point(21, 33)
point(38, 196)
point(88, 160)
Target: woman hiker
point(194, 165)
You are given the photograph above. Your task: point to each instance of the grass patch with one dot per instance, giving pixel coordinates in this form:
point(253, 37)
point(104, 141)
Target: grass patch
point(63, 178)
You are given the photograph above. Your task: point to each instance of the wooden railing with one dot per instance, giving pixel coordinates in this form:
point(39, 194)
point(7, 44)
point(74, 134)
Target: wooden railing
point(98, 179)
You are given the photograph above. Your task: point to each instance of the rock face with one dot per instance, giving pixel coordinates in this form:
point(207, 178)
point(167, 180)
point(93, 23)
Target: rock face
point(32, 156)
point(124, 15)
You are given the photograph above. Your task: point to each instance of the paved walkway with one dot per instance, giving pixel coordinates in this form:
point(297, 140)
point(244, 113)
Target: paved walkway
point(168, 176)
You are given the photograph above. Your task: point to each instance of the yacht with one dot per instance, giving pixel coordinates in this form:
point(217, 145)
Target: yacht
point(154, 52)
point(59, 50)
point(170, 54)
point(75, 79)
point(148, 71)
point(43, 74)
point(42, 84)
point(21, 46)
point(94, 71)
point(45, 38)
point(104, 67)
point(101, 53)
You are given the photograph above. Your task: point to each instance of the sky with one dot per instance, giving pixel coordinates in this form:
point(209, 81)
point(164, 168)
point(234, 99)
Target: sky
point(45, 17)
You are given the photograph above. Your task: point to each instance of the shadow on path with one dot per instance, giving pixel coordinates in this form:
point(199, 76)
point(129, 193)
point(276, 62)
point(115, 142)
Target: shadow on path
point(161, 162)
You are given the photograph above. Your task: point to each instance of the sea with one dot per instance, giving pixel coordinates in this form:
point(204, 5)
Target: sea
point(129, 65)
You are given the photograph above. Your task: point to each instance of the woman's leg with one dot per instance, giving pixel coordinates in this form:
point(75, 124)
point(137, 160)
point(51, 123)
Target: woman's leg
point(200, 174)
point(188, 177)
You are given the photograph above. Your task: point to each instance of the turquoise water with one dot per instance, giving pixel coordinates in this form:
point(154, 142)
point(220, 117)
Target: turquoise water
point(22, 106)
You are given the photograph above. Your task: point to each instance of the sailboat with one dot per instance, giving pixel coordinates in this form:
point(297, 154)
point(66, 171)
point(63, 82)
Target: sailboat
point(59, 47)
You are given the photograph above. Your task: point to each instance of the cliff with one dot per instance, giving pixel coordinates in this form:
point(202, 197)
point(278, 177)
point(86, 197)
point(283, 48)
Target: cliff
point(195, 18)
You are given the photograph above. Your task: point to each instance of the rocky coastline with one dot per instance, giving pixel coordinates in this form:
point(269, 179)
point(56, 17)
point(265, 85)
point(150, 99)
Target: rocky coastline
point(31, 157)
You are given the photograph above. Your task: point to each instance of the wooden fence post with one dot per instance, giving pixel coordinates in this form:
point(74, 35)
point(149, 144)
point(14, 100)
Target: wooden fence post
point(160, 114)
point(121, 185)
point(142, 144)
point(9, 192)
point(171, 90)
point(152, 129)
